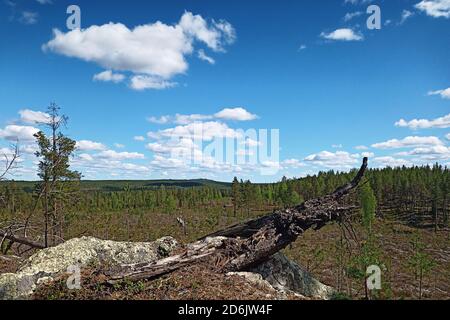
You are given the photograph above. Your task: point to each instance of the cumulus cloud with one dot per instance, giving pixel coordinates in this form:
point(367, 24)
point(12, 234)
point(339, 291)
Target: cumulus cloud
point(448, 136)
point(391, 162)
point(140, 83)
point(337, 159)
point(251, 143)
point(95, 164)
point(344, 34)
point(233, 114)
point(109, 76)
point(361, 147)
point(18, 133)
point(205, 131)
point(236, 114)
point(292, 163)
point(409, 142)
point(442, 122)
point(139, 138)
point(160, 120)
point(445, 93)
point(435, 8)
point(429, 153)
point(114, 155)
point(153, 53)
point(87, 145)
point(34, 117)
point(186, 119)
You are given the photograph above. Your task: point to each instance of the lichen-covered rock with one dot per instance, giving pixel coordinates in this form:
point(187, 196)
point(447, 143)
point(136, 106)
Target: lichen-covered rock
point(288, 277)
point(52, 262)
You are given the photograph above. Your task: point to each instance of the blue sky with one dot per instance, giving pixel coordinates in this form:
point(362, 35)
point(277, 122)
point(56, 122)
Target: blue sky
point(334, 89)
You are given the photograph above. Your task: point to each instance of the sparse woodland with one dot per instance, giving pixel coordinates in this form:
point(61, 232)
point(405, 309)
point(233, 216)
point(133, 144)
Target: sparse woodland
point(400, 217)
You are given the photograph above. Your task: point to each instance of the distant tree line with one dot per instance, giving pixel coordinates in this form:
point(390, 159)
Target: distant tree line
point(417, 195)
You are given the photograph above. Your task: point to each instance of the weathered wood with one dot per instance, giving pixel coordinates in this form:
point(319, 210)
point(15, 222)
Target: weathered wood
point(245, 245)
point(24, 241)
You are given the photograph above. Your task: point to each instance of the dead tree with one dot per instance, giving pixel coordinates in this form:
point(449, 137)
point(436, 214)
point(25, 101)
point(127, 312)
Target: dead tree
point(8, 232)
point(10, 161)
point(245, 245)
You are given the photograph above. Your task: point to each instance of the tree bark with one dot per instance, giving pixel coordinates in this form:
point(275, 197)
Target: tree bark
point(245, 245)
point(21, 240)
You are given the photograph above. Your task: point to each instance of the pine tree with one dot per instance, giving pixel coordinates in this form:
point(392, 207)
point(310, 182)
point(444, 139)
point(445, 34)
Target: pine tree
point(57, 179)
point(235, 195)
point(420, 262)
point(368, 206)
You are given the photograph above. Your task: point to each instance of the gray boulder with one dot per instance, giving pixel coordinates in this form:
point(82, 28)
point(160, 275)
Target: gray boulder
point(49, 263)
point(286, 276)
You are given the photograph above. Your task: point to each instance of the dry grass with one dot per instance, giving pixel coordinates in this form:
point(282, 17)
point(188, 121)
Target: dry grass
point(193, 283)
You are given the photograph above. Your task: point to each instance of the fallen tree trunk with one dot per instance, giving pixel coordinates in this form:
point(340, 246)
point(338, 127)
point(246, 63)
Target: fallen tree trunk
point(20, 240)
point(246, 245)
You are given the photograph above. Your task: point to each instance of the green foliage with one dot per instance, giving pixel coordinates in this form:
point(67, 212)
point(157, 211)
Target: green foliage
point(420, 263)
point(58, 182)
point(368, 205)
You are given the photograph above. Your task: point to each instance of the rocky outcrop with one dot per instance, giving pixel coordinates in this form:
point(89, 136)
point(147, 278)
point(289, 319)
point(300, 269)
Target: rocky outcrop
point(50, 263)
point(288, 277)
point(278, 274)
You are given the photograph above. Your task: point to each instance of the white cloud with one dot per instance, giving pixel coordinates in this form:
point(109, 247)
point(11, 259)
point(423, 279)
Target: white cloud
point(34, 117)
point(292, 163)
point(251, 143)
point(429, 153)
point(96, 164)
point(87, 145)
point(167, 163)
point(448, 136)
point(114, 155)
point(344, 34)
point(28, 17)
point(435, 8)
point(391, 162)
point(28, 148)
point(140, 83)
point(445, 93)
point(153, 52)
point(205, 131)
point(203, 56)
point(361, 147)
point(236, 114)
point(337, 159)
point(86, 157)
point(442, 122)
point(20, 133)
point(409, 142)
point(109, 76)
point(186, 119)
point(44, 1)
point(350, 15)
point(161, 120)
point(119, 145)
point(406, 14)
point(367, 154)
point(139, 138)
